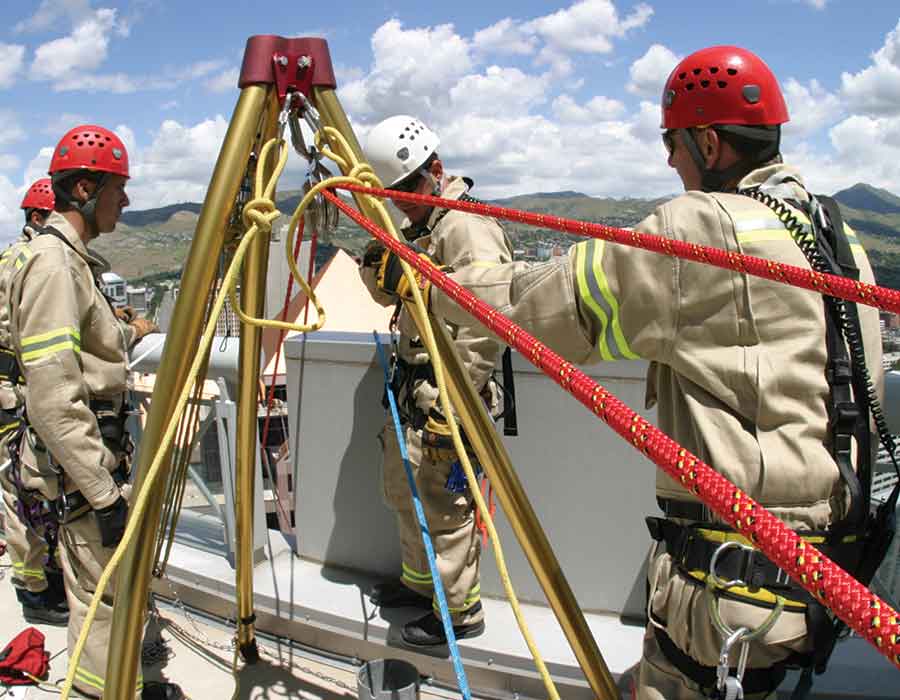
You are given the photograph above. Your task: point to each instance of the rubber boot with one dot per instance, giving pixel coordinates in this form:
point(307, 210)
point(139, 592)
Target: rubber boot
point(393, 594)
point(40, 609)
point(157, 690)
point(428, 630)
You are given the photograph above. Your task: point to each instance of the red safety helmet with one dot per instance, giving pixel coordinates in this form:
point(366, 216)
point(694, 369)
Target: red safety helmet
point(722, 85)
point(91, 148)
point(39, 196)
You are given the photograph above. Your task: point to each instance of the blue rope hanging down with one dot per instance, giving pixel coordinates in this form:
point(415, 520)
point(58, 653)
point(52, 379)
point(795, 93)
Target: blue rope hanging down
point(461, 680)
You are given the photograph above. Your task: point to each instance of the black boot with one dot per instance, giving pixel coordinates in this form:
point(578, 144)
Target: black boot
point(157, 690)
point(393, 594)
point(39, 608)
point(428, 631)
point(56, 590)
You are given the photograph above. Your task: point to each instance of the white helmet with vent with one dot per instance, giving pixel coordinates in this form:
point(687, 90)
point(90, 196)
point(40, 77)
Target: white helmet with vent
point(398, 146)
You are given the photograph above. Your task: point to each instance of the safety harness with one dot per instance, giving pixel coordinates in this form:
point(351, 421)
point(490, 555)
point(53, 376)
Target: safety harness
point(858, 541)
point(34, 511)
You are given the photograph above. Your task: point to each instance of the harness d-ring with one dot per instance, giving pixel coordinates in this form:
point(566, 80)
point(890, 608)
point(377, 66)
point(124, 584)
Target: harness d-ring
point(713, 582)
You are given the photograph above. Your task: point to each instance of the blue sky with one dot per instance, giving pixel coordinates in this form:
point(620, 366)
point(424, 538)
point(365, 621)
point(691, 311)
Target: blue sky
point(526, 96)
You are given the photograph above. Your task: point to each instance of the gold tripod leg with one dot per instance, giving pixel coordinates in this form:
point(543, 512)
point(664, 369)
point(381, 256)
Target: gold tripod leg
point(133, 580)
point(253, 302)
point(493, 457)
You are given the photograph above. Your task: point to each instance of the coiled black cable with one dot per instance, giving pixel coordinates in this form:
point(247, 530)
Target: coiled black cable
point(807, 243)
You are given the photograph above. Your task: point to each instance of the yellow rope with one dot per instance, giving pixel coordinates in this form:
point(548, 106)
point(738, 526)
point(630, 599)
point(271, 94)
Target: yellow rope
point(361, 173)
point(261, 222)
point(261, 211)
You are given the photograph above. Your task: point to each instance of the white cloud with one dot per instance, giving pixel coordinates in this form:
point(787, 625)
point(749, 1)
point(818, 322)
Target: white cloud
point(49, 11)
point(61, 123)
point(411, 72)
point(588, 26)
point(177, 164)
point(649, 72)
point(12, 131)
point(38, 166)
point(9, 161)
point(875, 90)
point(82, 51)
point(811, 108)
point(505, 37)
point(12, 58)
point(224, 81)
point(599, 108)
point(116, 83)
point(11, 219)
point(516, 91)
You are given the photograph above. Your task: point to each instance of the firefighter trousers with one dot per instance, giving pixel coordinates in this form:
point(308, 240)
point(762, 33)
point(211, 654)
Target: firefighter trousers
point(27, 547)
point(451, 519)
point(83, 560)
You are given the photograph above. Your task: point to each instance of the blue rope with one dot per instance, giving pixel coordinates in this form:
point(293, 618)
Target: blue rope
point(426, 533)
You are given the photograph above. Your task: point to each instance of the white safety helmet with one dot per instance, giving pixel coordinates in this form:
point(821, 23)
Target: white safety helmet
point(398, 146)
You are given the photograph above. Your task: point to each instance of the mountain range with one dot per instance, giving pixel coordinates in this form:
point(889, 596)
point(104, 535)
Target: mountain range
point(153, 243)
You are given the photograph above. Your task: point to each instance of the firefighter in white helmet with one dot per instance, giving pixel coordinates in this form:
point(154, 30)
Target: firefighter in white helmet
point(403, 153)
point(30, 526)
point(72, 351)
point(760, 380)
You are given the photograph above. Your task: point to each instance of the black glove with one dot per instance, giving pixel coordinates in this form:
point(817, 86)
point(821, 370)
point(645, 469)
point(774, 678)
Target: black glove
point(111, 521)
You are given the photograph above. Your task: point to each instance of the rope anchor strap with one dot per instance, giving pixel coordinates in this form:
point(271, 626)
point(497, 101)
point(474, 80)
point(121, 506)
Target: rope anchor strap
point(864, 612)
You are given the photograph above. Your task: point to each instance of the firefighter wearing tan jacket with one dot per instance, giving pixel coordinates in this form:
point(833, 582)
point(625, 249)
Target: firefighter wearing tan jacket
point(403, 152)
point(737, 370)
point(30, 529)
point(73, 353)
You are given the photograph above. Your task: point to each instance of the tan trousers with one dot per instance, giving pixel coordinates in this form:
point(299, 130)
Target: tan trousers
point(83, 560)
point(451, 519)
point(683, 609)
point(27, 548)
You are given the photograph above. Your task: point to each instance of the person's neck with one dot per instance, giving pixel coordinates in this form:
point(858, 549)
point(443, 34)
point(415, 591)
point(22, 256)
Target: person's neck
point(76, 221)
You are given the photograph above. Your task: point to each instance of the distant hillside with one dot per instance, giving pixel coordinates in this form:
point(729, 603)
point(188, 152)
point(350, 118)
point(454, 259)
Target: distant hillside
point(872, 199)
point(156, 241)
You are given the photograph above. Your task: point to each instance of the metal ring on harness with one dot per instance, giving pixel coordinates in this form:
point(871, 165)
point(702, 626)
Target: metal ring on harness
point(713, 582)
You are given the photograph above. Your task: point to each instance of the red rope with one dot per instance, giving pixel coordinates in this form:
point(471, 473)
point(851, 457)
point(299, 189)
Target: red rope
point(863, 611)
point(832, 285)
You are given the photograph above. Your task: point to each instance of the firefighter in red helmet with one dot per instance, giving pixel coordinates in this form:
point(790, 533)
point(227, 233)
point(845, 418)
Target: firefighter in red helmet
point(72, 351)
point(773, 386)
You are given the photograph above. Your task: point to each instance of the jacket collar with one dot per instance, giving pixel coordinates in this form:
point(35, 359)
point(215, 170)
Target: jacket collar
point(61, 224)
point(455, 188)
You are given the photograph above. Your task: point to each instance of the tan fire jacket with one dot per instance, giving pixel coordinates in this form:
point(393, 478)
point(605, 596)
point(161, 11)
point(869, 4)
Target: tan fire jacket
point(471, 245)
point(737, 363)
point(71, 348)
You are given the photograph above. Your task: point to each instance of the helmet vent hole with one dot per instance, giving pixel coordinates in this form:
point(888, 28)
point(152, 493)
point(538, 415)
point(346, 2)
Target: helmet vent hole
point(722, 84)
point(704, 83)
point(690, 86)
point(682, 76)
point(732, 71)
point(714, 70)
point(696, 71)
point(402, 136)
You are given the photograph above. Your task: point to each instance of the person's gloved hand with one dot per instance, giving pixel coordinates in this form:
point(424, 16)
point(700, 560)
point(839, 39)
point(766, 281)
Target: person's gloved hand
point(143, 326)
point(373, 253)
point(437, 440)
point(391, 280)
point(125, 313)
point(111, 521)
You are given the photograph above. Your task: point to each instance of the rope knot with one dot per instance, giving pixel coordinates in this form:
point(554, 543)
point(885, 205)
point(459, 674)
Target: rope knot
point(260, 212)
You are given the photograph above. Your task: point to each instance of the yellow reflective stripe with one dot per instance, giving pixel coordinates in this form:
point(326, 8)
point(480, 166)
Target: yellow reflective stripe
point(473, 597)
point(593, 287)
point(19, 568)
point(97, 682)
point(11, 426)
point(414, 576)
point(66, 338)
point(761, 596)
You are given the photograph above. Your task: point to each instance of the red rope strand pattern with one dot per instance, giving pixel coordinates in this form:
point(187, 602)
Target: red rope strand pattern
point(832, 285)
point(871, 617)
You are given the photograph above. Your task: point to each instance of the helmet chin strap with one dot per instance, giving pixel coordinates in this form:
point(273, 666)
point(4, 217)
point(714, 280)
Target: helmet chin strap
point(88, 208)
point(717, 180)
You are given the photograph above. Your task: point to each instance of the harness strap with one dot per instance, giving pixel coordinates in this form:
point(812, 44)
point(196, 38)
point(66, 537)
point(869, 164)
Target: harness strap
point(755, 680)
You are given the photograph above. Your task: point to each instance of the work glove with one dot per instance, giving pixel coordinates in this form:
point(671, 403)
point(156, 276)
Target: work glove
point(126, 313)
point(373, 254)
point(142, 326)
point(391, 280)
point(111, 521)
point(437, 440)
